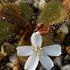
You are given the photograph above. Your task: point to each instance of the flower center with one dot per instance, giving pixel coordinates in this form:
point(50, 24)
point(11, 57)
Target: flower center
point(38, 51)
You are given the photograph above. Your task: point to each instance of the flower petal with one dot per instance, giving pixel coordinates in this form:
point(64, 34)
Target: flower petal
point(31, 63)
point(36, 39)
point(46, 62)
point(24, 50)
point(53, 50)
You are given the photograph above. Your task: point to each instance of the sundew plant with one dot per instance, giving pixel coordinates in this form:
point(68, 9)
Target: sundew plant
point(34, 35)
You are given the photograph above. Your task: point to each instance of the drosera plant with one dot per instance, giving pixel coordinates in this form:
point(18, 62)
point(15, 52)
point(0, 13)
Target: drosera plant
point(6, 32)
point(52, 13)
point(26, 10)
point(36, 53)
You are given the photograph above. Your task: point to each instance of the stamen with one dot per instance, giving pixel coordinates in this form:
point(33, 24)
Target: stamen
point(38, 51)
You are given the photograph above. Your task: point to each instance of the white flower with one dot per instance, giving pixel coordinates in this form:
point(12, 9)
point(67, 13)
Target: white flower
point(37, 53)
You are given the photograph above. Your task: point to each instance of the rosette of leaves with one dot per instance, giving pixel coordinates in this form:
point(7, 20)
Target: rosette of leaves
point(52, 13)
point(11, 13)
point(6, 32)
point(26, 10)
